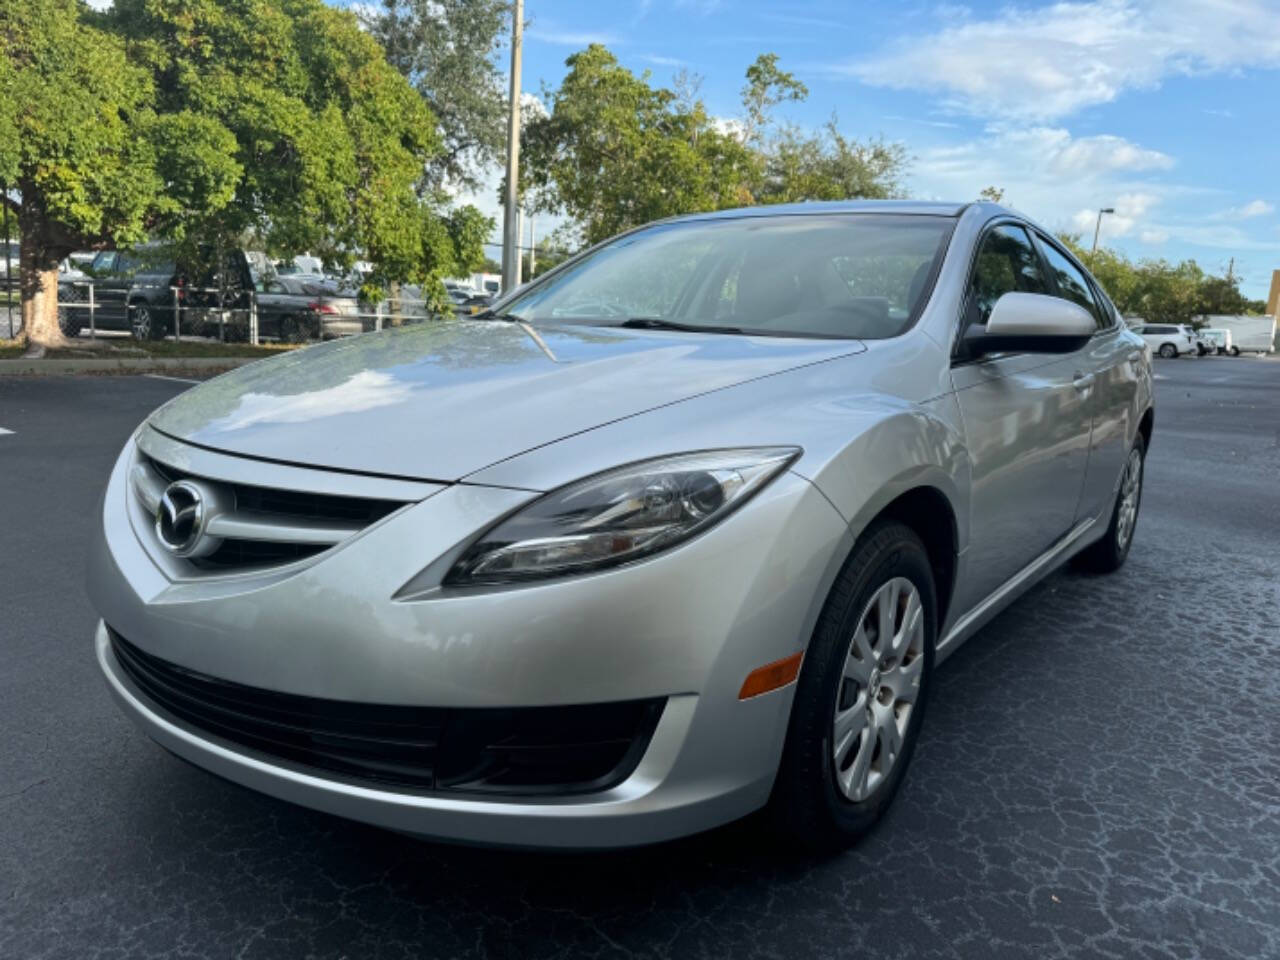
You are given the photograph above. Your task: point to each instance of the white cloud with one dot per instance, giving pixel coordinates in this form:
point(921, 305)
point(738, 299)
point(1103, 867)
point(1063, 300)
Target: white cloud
point(662, 61)
point(1254, 208)
point(1154, 237)
point(1101, 153)
point(1059, 179)
point(571, 38)
point(1128, 209)
point(1050, 62)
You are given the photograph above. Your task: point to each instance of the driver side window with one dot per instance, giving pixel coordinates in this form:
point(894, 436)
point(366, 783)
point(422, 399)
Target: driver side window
point(1006, 263)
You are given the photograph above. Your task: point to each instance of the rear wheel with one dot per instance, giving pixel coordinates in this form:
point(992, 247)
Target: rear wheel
point(1235, 351)
point(1168, 351)
point(860, 699)
point(68, 323)
point(143, 323)
point(295, 329)
point(1109, 553)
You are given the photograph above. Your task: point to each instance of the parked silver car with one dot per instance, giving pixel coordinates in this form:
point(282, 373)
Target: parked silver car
point(576, 578)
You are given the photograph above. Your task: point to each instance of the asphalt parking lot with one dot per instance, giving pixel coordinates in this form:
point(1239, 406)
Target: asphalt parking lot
point(1099, 774)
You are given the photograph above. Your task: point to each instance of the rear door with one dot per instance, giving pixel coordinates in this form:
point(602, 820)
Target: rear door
point(1027, 418)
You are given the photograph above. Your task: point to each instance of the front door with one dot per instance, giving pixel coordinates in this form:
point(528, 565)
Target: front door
point(1027, 420)
point(1115, 363)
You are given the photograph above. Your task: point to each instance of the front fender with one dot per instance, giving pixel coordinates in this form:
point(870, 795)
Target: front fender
point(896, 447)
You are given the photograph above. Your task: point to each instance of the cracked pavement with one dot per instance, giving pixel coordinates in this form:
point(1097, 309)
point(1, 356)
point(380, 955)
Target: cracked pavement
point(1099, 774)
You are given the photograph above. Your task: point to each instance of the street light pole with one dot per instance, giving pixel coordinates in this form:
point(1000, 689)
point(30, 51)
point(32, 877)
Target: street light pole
point(8, 280)
point(511, 216)
point(1096, 227)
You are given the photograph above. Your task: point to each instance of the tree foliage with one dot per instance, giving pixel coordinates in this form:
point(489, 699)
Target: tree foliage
point(767, 86)
point(614, 151)
point(198, 121)
point(829, 166)
point(447, 49)
point(1162, 292)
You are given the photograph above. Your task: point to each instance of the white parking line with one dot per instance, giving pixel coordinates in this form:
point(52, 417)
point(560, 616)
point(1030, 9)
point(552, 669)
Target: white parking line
point(160, 376)
point(3, 431)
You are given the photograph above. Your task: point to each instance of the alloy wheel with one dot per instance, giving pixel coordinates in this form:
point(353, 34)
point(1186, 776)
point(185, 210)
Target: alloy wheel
point(141, 322)
point(879, 688)
point(1130, 489)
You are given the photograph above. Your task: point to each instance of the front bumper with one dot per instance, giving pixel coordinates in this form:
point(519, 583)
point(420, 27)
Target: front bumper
point(687, 626)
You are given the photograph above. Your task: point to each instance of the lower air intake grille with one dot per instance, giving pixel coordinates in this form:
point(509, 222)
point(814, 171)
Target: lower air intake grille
point(521, 750)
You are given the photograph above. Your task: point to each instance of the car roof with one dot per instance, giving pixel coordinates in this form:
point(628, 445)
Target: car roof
point(934, 208)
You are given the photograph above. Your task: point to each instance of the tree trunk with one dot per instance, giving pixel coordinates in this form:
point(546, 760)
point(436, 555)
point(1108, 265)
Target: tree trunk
point(38, 280)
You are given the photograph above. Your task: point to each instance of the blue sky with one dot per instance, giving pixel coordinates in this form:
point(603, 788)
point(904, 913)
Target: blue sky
point(1164, 110)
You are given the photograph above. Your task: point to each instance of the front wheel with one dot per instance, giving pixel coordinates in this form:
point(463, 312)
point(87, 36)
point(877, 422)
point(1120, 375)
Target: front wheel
point(860, 698)
point(1109, 553)
point(1168, 351)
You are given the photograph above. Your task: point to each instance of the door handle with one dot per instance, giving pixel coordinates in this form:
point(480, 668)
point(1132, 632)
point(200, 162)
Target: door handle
point(1082, 381)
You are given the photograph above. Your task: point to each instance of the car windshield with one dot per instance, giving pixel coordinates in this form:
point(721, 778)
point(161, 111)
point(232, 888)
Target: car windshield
point(845, 275)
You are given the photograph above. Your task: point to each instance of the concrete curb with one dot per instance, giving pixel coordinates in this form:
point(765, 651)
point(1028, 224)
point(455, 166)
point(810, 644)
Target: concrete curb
point(126, 365)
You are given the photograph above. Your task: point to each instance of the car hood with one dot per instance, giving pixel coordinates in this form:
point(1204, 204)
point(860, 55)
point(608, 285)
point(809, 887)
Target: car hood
point(440, 400)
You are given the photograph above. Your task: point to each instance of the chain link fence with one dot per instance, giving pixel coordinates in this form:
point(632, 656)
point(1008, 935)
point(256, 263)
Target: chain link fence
point(181, 312)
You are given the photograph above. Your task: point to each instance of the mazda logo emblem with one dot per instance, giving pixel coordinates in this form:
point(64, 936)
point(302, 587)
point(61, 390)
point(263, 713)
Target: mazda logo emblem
point(181, 516)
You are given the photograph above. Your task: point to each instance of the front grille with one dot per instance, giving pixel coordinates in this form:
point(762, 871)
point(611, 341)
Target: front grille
point(271, 506)
point(520, 750)
point(292, 503)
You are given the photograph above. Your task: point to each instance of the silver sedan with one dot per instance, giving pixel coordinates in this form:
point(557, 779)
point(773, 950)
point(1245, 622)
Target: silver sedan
point(679, 531)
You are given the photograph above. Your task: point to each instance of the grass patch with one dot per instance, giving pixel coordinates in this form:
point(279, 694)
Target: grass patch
point(160, 349)
point(207, 348)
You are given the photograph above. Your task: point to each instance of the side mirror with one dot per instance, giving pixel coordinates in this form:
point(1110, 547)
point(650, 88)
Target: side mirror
point(1031, 323)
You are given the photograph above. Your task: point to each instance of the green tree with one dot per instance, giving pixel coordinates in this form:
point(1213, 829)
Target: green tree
point(201, 121)
point(829, 166)
point(447, 49)
point(767, 86)
point(334, 144)
point(991, 194)
point(88, 158)
point(614, 152)
point(549, 254)
point(1222, 296)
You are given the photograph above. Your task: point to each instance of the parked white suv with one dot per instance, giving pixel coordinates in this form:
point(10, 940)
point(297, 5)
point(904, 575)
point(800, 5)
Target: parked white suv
point(1169, 340)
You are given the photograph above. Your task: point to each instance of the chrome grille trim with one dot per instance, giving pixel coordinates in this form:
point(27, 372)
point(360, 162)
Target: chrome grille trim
point(148, 485)
point(213, 465)
point(273, 516)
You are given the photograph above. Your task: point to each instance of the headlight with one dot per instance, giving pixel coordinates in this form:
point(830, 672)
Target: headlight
point(618, 516)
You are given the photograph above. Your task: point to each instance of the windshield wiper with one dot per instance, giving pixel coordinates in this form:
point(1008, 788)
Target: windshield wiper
point(657, 323)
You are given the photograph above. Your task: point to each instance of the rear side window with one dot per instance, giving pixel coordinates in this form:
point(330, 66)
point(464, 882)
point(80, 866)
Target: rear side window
point(1071, 282)
point(1007, 263)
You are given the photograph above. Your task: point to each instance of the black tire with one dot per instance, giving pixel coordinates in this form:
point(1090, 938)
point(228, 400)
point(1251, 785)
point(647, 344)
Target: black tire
point(143, 322)
point(67, 323)
point(296, 328)
point(1168, 351)
point(1109, 554)
point(1235, 351)
point(807, 807)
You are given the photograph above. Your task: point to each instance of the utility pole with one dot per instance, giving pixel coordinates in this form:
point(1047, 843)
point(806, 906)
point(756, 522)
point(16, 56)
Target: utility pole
point(1231, 270)
point(8, 280)
point(1096, 227)
point(511, 215)
point(533, 252)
